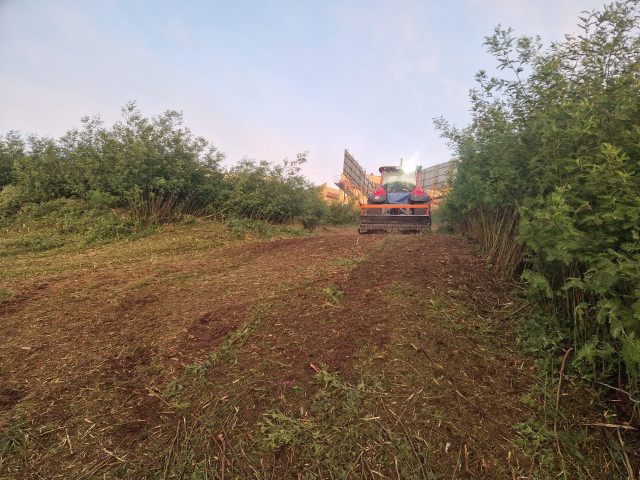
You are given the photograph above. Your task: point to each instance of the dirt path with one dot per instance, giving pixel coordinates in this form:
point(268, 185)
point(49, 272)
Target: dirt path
point(332, 356)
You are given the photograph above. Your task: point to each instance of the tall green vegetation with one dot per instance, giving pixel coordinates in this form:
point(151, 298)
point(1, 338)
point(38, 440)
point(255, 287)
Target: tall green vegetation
point(548, 177)
point(154, 169)
point(272, 193)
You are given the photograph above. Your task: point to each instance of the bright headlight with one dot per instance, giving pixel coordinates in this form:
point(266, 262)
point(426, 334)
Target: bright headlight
point(409, 165)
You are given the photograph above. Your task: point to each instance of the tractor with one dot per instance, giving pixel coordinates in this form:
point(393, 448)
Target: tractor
point(399, 204)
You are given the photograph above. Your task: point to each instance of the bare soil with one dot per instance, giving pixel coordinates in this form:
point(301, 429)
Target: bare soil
point(161, 358)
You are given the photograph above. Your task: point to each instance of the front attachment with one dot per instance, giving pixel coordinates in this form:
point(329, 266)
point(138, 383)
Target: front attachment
point(395, 218)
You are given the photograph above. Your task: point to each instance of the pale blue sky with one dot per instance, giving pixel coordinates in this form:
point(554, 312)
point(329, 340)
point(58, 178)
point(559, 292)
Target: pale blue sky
point(264, 79)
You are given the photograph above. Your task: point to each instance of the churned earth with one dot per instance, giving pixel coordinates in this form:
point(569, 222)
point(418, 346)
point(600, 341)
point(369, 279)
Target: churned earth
point(196, 354)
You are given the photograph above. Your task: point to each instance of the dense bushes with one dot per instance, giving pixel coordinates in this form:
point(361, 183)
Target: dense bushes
point(551, 162)
point(343, 213)
point(155, 169)
point(278, 194)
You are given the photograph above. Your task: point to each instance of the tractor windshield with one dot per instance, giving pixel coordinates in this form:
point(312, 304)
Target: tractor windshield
point(399, 181)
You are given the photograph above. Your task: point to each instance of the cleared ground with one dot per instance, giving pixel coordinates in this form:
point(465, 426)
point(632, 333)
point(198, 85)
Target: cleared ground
point(193, 354)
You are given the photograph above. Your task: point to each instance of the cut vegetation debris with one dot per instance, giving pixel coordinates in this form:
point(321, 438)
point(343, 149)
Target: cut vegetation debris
point(195, 354)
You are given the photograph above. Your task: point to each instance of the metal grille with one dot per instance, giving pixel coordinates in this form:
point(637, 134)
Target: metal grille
point(356, 181)
point(436, 176)
point(363, 228)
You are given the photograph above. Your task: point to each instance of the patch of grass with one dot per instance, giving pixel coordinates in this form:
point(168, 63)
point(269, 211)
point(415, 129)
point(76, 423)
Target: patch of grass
point(349, 263)
point(33, 242)
point(6, 294)
point(536, 443)
point(13, 438)
point(333, 294)
point(346, 432)
point(235, 340)
point(68, 223)
point(174, 388)
point(199, 369)
point(279, 430)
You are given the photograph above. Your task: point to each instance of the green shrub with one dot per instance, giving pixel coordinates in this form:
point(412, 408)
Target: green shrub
point(342, 213)
point(11, 199)
point(557, 144)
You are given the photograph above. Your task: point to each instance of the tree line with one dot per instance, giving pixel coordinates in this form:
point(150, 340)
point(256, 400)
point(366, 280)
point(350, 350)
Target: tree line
point(548, 179)
point(156, 169)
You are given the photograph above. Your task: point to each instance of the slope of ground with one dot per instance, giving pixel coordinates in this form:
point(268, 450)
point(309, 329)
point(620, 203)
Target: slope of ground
point(191, 354)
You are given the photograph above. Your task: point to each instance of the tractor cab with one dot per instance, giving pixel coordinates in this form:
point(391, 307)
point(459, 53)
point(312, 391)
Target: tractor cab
point(397, 180)
point(399, 185)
